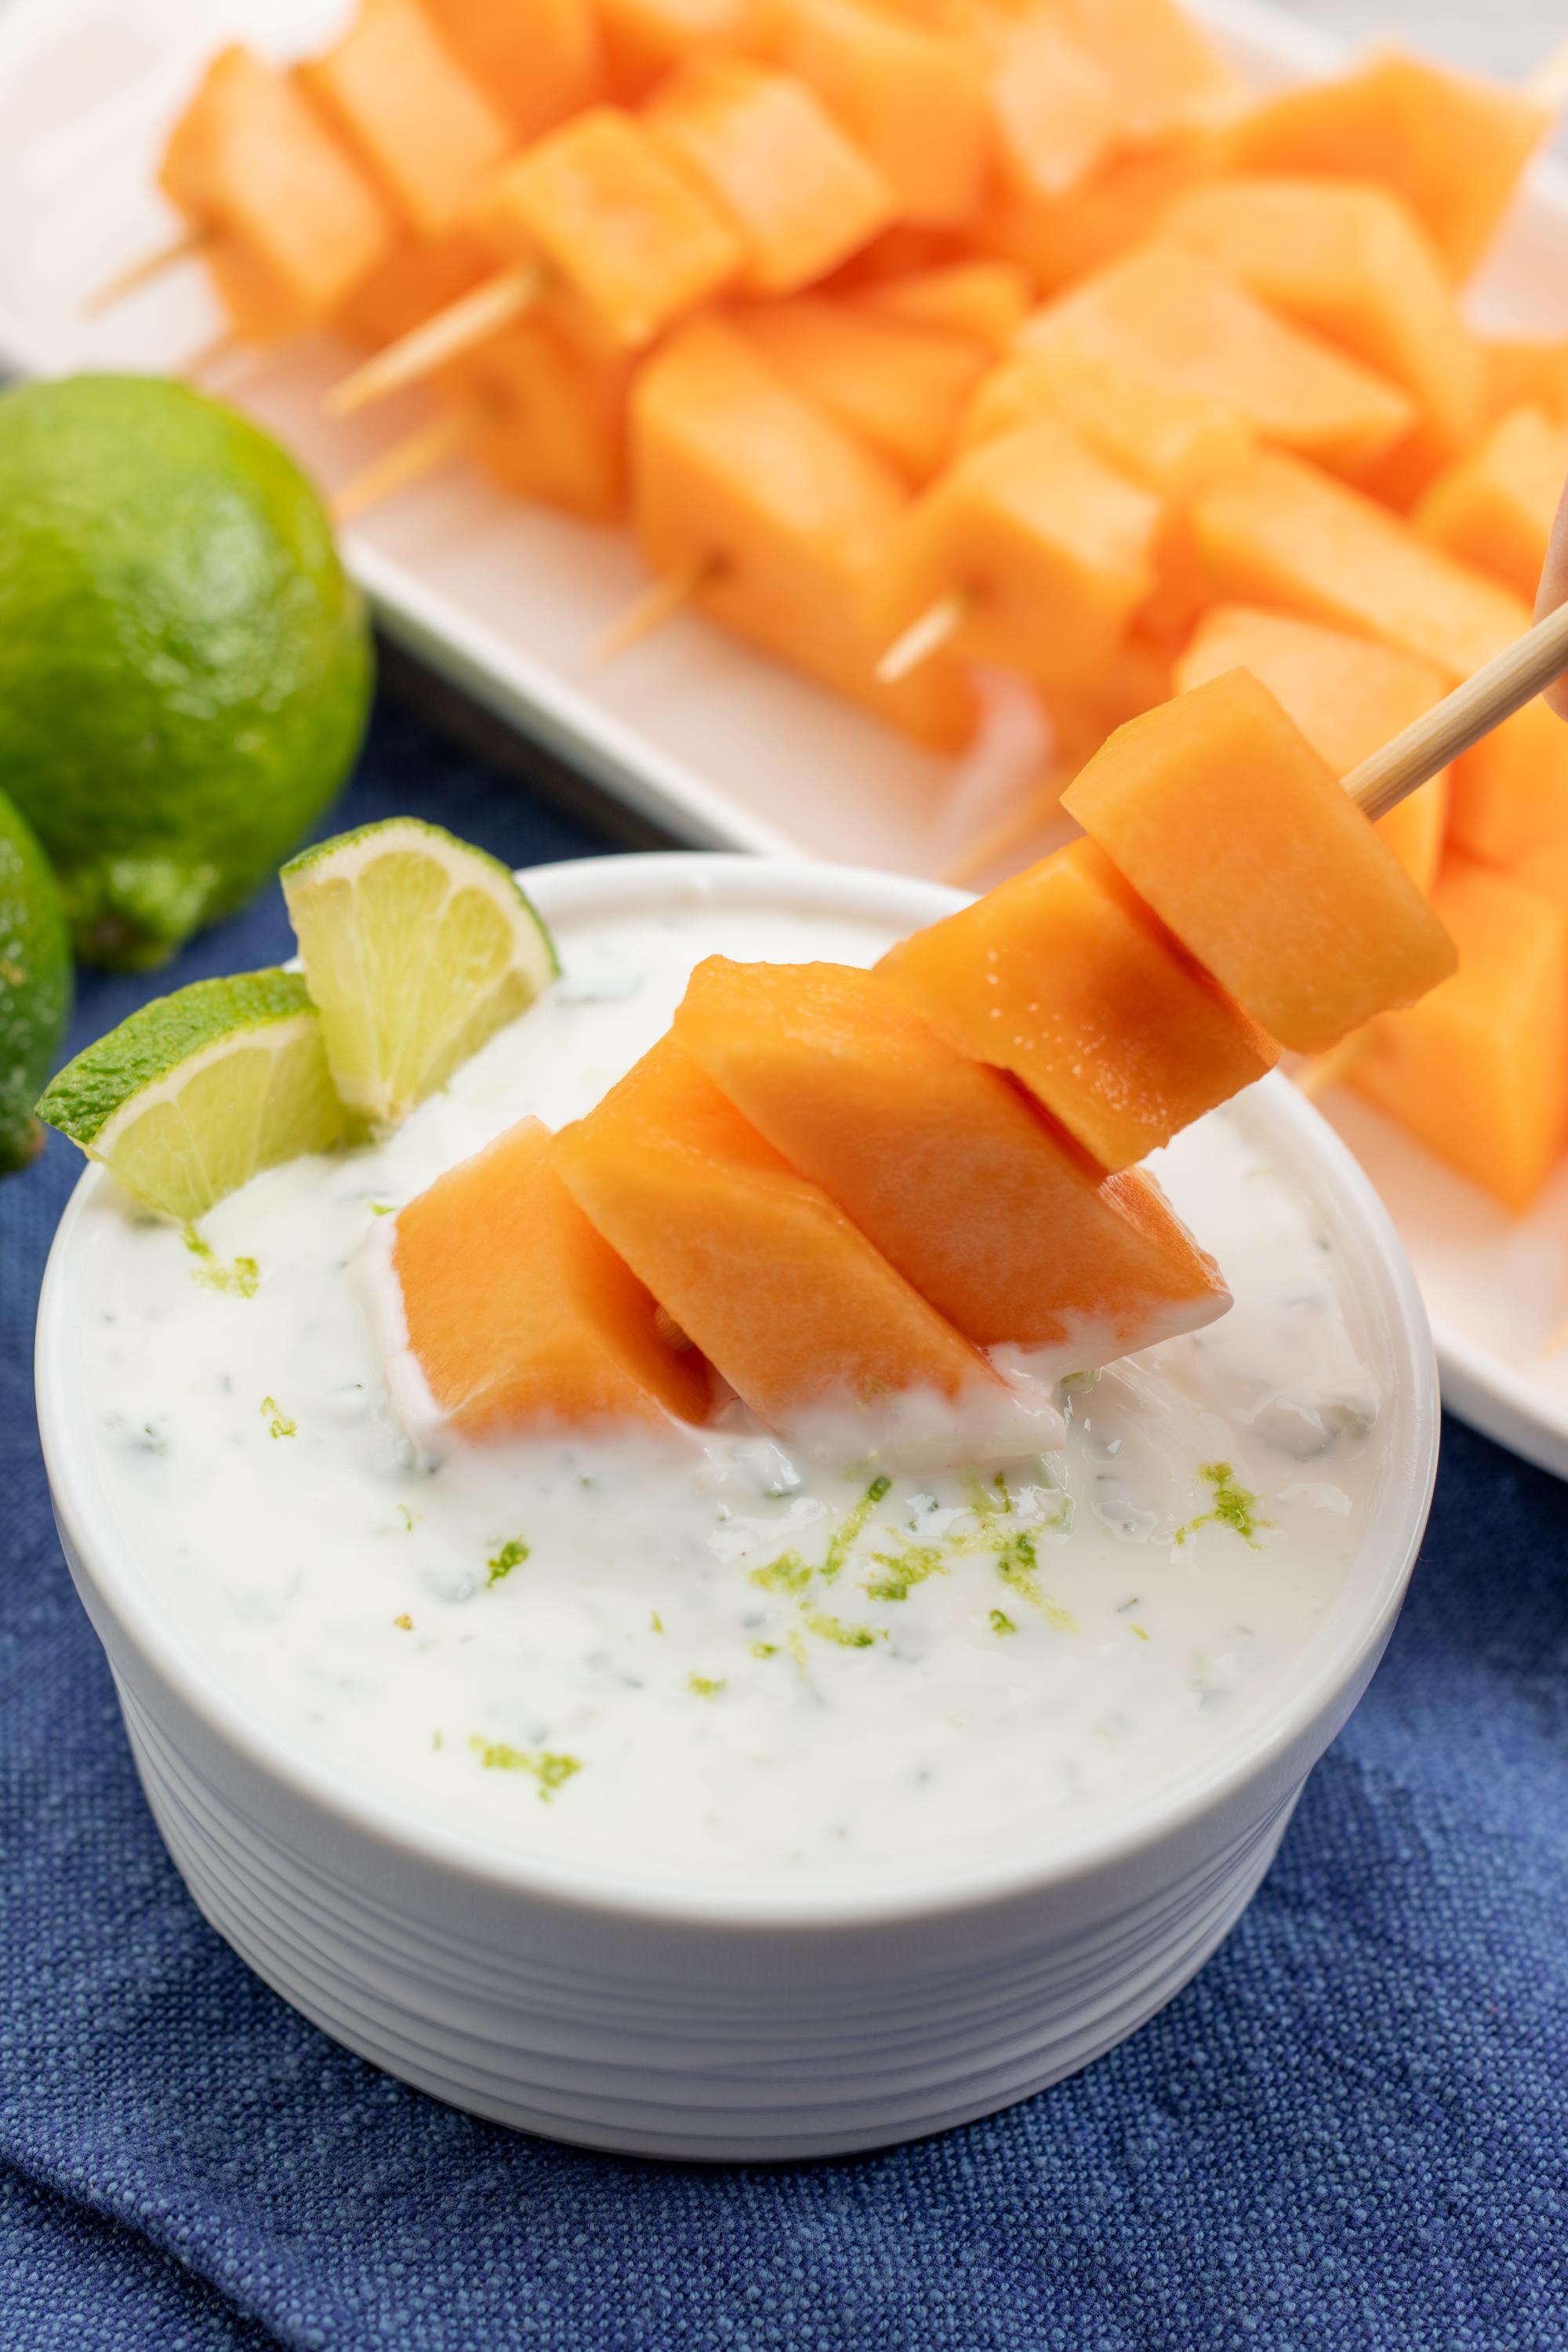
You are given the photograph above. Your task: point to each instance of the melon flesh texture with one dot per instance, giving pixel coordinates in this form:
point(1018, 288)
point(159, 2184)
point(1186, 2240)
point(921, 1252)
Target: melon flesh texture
point(1510, 790)
point(982, 303)
point(911, 98)
point(803, 198)
point(1495, 509)
point(1526, 374)
point(541, 61)
point(1221, 815)
point(419, 277)
point(1063, 977)
point(1478, 1072)
point(787, 1298)
point(901, 389)
point(1355, 266)
point(1060, 240)
point(645, 38)
point(553, 417)
point(1057, 112)
point(783, 519)
point(1451, 145)
point(1166, 71)
point(630, 234)
point(1049, 552)
point(996, 1217)
point(1171, 317)
point(1166, 440)
point(251, 162)
point(518, 1313)
point(1347, 696)
point(425, 131)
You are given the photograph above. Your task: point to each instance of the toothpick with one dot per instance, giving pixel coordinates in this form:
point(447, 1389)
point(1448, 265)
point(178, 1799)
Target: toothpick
point(409, 461)
point(924, 637)
point(662, 600)
point(1505, 685)
point(174, 249)
point(469, 320)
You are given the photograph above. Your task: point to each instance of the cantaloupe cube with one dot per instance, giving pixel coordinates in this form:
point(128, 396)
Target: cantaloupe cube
point(801, 196)
point(911, 98)
point(997, 1218)
point(419, 277)
point(766, 1274)
point(1169, 316)
point(1544, 868)
point(1526, 373)
point(1056, 110)
point(1060, 239)
point(1050, 552)
point(553, 416)
point(1494, 509)
point(417, 122)
point(1451, 144)
point(1510, 790)
point(901, 389)
point(520, 1315)
point(250, 164)
point(1224, 819)
point(1166, 69)
point(1353, 264)
point(630, 235)
point(1157, 433)
point(1064, 977)
point(982, 303)
point(1478, 1071)
point(540, 61)
point(1347, 697)
point(645, 38)
point(783, 518)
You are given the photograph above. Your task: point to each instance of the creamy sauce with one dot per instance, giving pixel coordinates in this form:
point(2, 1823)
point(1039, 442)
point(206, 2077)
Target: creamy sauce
point(717, 1659)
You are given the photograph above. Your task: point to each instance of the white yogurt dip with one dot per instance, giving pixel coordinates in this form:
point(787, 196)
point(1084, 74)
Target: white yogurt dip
point(712, 1659)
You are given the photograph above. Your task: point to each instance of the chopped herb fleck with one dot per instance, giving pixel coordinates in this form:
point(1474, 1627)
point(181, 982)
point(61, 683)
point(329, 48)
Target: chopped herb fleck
point(550, 1771)
point(381, 1208)
point(239, 1279)
point(1138, 1630)
point(1001, 1623)
point(765, 1649)
point(705, 1686)
point(788, 1573)
point(904, 1570)
point(849, 1528)
point(656, 1621)
point(407, 1517)
point(404, 1622)
point(512, 1554)
point(834, 1629)
point(1233, 1507)
point(279, 1425)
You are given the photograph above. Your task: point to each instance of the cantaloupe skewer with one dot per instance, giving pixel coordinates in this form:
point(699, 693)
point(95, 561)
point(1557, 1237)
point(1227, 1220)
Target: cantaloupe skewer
point(409, 461)
point(936, 627)
point(187, 245)
point(452, 333)
point(663, 600)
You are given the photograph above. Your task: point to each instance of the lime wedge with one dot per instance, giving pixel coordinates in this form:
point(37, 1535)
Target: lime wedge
point(197, 1091)
point(417, 948)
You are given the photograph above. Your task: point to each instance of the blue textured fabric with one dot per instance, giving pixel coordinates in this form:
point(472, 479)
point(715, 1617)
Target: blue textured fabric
point(1348, 2133)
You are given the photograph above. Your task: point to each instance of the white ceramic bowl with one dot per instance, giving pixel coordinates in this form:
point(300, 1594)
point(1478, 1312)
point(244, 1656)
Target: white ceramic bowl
point(594, 2007)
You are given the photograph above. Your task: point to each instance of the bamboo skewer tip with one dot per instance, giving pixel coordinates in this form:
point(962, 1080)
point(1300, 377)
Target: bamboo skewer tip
point(923, 639)
point(184, 246)
point(663, 600)
point(471, 320)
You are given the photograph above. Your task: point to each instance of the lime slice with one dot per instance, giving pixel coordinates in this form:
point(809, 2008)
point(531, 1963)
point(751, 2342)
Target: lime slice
point(197, 1091)
point(417, 948)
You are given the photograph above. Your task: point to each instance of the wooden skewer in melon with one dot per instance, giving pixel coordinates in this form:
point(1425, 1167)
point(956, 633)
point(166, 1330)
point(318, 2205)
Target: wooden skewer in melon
point(663, 600)
point(186, 246)
point(409, 461)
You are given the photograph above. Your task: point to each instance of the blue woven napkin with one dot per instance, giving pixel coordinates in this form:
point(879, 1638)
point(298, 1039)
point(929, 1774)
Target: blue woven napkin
point(1350, 2133)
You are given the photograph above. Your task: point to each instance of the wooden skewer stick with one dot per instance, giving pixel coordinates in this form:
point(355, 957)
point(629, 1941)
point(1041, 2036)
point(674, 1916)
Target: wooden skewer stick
point(648, 611)
point(471, 320)
point(409, 461)
point(923, 638)
point(175, 250)
point(1505, 685)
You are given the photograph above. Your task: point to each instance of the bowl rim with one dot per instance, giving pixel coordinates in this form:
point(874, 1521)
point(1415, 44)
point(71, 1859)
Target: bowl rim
point(585, 888)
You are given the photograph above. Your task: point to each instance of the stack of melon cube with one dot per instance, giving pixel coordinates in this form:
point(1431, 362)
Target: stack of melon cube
point(1019, 309)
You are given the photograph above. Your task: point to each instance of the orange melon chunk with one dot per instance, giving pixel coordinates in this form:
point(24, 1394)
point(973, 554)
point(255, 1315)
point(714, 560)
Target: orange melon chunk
point(539, 60)
point(782, 519)
point(994, 1216)
point(553, 417)
point(1165, 70)
point(1478, 1072)
point(1510, 790)
point(645, 37)
point(1168, 316)
point(425, 131)
point(1064, 977)
point(1156, 434)
point(911, 98)
point(1347, 697)
point(1451, 144)
point(419, 277)
point(634, 242)
point(1526, 374)
point(251, 164)
point(1225, 820)
point(901, 389)
point(982, 303)
point(1495, 509)
point(519, 1312)
point(1057, 111)
point(765, 1273)
point(1060, 239)
point(764, 148)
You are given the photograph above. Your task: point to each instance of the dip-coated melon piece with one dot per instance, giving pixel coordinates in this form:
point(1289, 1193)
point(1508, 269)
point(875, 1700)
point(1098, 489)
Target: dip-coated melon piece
point(901, 389)
point(1225, 820)
point(982, 303)
point(765, 147)
point(632, 237)
point(1158, 434)
point(1478, 1071)
point(1169, 316)
point(781, 519)
point(250, 164)
point(1063, 976)
point(1347, 697)
point(1495, 507)
point(419, 124)
point(519, 1312)
point(995, 1215)
point(539, 60)
point(553, 416)
point(910, 97)
point(1050, 552)
point(1452, 145)
point(788, 1298)
point(1353, 264)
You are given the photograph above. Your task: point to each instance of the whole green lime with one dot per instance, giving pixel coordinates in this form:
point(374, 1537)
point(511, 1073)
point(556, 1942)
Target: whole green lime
point(184, 667)
point(35, 982)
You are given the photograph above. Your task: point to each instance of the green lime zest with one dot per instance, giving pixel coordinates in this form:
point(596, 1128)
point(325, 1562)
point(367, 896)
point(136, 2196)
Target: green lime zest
point(239, 1278)
point(849, 1526)
point(1001, 1623)
point(512, 1554)
point(705, 1686)
point(827, 1628)
point(1233, 1507)
point(904, 1570)
point(279, 1425)
point(552, 1772)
